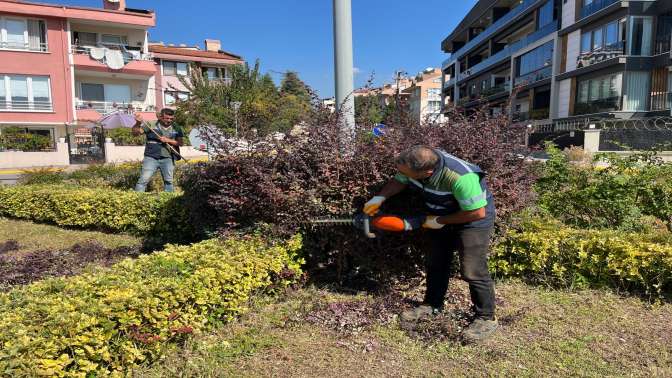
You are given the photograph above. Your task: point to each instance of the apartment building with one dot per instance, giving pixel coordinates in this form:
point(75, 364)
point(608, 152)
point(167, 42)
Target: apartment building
point(424, 96)
point(175, 61)
point(63, 66)
point(561, 59)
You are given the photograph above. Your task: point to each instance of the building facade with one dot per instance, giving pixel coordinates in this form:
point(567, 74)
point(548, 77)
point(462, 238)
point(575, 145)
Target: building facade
point(174, 62)
point(424, 96)
point(63, 68)
point(561, 59)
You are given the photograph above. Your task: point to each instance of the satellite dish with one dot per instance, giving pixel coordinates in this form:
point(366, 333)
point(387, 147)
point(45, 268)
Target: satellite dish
point(197, 142)
point(114, 59)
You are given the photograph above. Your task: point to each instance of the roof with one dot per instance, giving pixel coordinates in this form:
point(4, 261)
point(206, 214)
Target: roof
point(476, 12)
point(159, 50)
point(129, 16)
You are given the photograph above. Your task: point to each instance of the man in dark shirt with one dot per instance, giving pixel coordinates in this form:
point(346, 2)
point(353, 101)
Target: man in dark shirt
point(157, 154)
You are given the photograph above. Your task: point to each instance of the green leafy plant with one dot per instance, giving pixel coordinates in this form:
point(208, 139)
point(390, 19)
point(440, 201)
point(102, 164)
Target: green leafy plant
point(107, 321)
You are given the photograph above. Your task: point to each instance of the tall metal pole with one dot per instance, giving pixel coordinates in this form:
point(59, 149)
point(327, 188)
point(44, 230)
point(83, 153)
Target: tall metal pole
point(344, 65)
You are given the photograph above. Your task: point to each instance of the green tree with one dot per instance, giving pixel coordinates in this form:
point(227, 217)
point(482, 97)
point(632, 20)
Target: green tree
point(368, 110)
point(264, 108)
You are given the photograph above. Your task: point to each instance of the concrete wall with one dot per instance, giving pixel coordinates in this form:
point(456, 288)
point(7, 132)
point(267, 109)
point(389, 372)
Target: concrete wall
point(18, 159)
point(573, 49)
point(564, 89)
point(568, 12)
point(121, 154)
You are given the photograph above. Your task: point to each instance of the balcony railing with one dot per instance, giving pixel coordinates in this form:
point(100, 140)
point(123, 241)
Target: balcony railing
point(39, 106)
point(535, 114)
point(509, 50)
point(533, 77)
point(661, 101)
point(602, 105)
point(450, 82)
point(609, 52)
point(662, 46)
point(107, 107)
point(41, 46)
point(497, 89)
point(491, 30)
point(129, 54)
point(595, 7)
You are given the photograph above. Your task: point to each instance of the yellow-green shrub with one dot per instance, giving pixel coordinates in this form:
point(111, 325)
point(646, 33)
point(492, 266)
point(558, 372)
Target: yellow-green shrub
point(108, 320)
point(549, 252)
point(104, 209)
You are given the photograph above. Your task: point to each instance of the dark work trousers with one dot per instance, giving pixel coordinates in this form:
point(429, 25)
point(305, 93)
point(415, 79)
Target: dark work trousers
point(473, 245)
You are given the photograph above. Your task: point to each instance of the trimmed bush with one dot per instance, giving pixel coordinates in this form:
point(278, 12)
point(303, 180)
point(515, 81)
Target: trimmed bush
point(109, 320)
point(154, 215)
point(551, 253)
point(117, 176)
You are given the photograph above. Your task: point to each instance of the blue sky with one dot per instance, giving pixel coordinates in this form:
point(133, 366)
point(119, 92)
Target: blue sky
point(297, 35)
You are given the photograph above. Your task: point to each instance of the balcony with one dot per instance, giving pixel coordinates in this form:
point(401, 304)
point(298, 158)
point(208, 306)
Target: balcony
point(497, 89)
point(609, 52)
point(99, 59)
point(661, 101)
point(509, 50)
point(535, 76)
point(26, 106)
point(602, 105)
point(450, 82)
point(491, 30)
point(94, 110)
point(596, 6)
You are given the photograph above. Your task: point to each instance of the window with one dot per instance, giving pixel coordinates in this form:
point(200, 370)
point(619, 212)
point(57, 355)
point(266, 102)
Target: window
point(86, 39)
point(433, 92)
point(113, 40)
point(434, 106)
point(120, 94)
point(213, 73)
point(611, 34)
point(605, 38)
point(599, 94)
point(546, 14)
point(536, 59)
point(172, 97)
point(93, 92)
point(641, 31)
point(23, 34)
point(586, 42)
point(597, 39)
point(19, 92)
point(175, 68)
point(182, 69)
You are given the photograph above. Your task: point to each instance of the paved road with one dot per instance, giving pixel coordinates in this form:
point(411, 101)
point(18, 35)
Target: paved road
point(8, 179)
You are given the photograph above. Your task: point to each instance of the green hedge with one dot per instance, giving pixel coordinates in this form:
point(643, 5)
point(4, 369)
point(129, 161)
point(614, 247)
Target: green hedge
point(103, 209)
point(109, 320)
point(549, 252)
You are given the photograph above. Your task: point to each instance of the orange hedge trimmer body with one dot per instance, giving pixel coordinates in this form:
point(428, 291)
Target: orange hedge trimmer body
point(389, 223)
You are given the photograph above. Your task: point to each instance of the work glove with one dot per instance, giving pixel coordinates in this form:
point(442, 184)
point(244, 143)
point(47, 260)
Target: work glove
point(372, 207)
point(432, 224)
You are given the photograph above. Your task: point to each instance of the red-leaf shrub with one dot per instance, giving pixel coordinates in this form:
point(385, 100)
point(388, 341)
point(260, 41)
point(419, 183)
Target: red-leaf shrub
point(286, 183)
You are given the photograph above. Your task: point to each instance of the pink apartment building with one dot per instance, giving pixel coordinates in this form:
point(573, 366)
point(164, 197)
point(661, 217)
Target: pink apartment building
point(64, 67)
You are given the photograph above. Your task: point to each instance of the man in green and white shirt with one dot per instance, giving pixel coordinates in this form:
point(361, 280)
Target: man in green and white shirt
point(462, 215)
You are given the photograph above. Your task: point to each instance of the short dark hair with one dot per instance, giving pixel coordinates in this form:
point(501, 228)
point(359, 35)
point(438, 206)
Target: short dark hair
point(418, 158)
point(168, 111)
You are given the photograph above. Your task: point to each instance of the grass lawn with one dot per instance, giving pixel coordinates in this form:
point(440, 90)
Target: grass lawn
point(33, 236)
point(544, 333)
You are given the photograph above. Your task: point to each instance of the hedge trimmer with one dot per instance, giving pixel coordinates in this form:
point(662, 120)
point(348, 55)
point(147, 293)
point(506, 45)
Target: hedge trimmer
point(390, 223)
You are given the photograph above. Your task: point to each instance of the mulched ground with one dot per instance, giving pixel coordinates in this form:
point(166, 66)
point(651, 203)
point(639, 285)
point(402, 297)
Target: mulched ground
point(20, 268)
